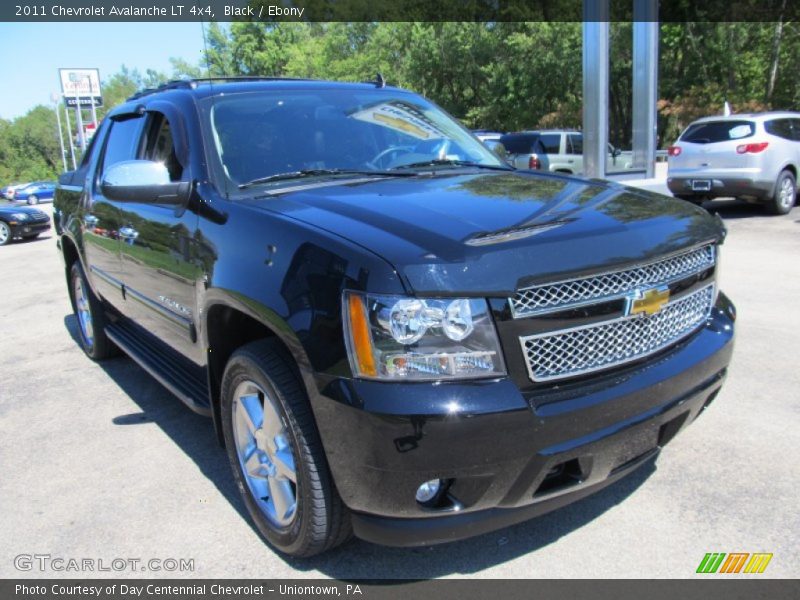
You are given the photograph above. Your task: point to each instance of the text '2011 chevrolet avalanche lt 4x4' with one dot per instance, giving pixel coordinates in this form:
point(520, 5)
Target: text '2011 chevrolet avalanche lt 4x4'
point(396, 334)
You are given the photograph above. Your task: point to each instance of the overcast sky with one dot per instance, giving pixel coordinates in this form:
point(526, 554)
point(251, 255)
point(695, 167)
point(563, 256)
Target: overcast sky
point(32, 53)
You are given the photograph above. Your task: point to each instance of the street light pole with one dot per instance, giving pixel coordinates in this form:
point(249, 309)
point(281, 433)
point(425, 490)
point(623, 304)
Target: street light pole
point(54, 99)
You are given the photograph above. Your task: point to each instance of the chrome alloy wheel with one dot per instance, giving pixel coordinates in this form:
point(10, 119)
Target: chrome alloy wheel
point(84, 310)
point(786, 194)
point(5, 233)
point(264, 448)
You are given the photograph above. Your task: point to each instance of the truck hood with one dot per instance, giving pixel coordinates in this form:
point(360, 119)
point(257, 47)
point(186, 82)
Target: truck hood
point(490, 233)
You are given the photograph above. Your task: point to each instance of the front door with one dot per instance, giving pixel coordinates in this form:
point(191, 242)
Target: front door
point(159, 258)
point(101, 216)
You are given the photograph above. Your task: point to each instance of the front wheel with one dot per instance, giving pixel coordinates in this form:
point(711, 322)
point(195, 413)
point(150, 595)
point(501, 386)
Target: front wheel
point(276, 454)
point(5, 233)
point(32, 199)
point(785, 193)
point(91, 317)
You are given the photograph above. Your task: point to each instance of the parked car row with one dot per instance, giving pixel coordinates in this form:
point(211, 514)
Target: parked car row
point(32, 193)
point(753, 157)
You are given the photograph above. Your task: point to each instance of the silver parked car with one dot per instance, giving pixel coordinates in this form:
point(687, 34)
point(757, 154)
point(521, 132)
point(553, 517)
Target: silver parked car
point(557, 150)
point(754, 157)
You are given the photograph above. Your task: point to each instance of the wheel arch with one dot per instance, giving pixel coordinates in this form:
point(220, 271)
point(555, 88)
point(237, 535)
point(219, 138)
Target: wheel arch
point(228, 323)
point(69, 250)
point(791, 167)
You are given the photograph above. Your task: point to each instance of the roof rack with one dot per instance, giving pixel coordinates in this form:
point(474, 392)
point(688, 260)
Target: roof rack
point(191, 83)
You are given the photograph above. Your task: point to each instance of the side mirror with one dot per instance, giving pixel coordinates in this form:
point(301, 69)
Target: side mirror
point(143, 181)
point(616, 152)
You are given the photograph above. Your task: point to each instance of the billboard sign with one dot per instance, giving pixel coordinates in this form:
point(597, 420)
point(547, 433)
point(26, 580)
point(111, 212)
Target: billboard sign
point(80, 85)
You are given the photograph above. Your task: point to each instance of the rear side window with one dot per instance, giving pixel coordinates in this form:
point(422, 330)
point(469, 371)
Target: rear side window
point(781, 128)
point(574, 143)
point(549, 143)
point(123, 141)
point(718, 131)
point(519, 143)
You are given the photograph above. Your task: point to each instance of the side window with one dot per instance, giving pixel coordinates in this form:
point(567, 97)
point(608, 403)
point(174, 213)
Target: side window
point(161, 146)
point(574, 143)
point(780, 127)
point(123, 141)
point(795, 129)
point(550, 143)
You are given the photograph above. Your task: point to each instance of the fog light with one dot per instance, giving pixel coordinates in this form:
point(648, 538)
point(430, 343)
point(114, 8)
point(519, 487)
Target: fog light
point(428, 491)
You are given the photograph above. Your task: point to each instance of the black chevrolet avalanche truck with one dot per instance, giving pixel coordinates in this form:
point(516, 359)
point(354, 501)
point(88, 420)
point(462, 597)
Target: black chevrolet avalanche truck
point(396, 334)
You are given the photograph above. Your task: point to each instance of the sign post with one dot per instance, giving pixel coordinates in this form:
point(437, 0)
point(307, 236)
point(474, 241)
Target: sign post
point(55, 99)
point(94, 110)
point(81, 134)
point(69, 138)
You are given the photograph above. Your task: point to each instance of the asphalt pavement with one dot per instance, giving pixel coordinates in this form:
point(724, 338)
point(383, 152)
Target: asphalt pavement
point(100, 462)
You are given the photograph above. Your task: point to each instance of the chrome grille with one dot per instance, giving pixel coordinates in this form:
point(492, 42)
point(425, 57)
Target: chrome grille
point(571, 352)
point(551, 297)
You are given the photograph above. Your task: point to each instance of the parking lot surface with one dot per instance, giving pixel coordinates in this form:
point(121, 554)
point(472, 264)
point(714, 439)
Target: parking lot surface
point(101, 462)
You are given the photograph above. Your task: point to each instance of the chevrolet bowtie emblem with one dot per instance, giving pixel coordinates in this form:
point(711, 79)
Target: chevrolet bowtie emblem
point(647, 302)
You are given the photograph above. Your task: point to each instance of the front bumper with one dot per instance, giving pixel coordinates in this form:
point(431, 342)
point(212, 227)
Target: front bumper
point(26, 228)
point(508, 456)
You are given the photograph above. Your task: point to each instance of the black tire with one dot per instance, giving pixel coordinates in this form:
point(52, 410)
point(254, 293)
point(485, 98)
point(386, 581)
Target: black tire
point(32, 199)
point(320, 520)
point(5, 233)
point(785, 195)
point(97, 346)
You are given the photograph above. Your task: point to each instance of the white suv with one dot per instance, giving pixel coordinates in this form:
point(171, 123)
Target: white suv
point(754, 157)
point(557, 150)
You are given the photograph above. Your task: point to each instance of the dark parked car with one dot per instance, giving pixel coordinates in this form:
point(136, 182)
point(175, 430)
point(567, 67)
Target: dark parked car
point(33, 193)
point(21, 222)
point(395, 333)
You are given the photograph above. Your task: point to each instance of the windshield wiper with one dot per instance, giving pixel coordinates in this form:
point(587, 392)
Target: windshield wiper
point(317, 172)
point(435, 162)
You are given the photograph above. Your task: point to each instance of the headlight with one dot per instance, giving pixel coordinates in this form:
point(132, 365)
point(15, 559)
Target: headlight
point(397, 337)
point(20, 216)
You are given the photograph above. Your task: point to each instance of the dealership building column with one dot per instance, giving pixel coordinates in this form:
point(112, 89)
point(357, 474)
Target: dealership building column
point(645, 84)
point(595, 87)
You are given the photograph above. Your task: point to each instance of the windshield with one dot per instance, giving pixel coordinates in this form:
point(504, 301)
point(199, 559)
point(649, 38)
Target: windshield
point(335, 132)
